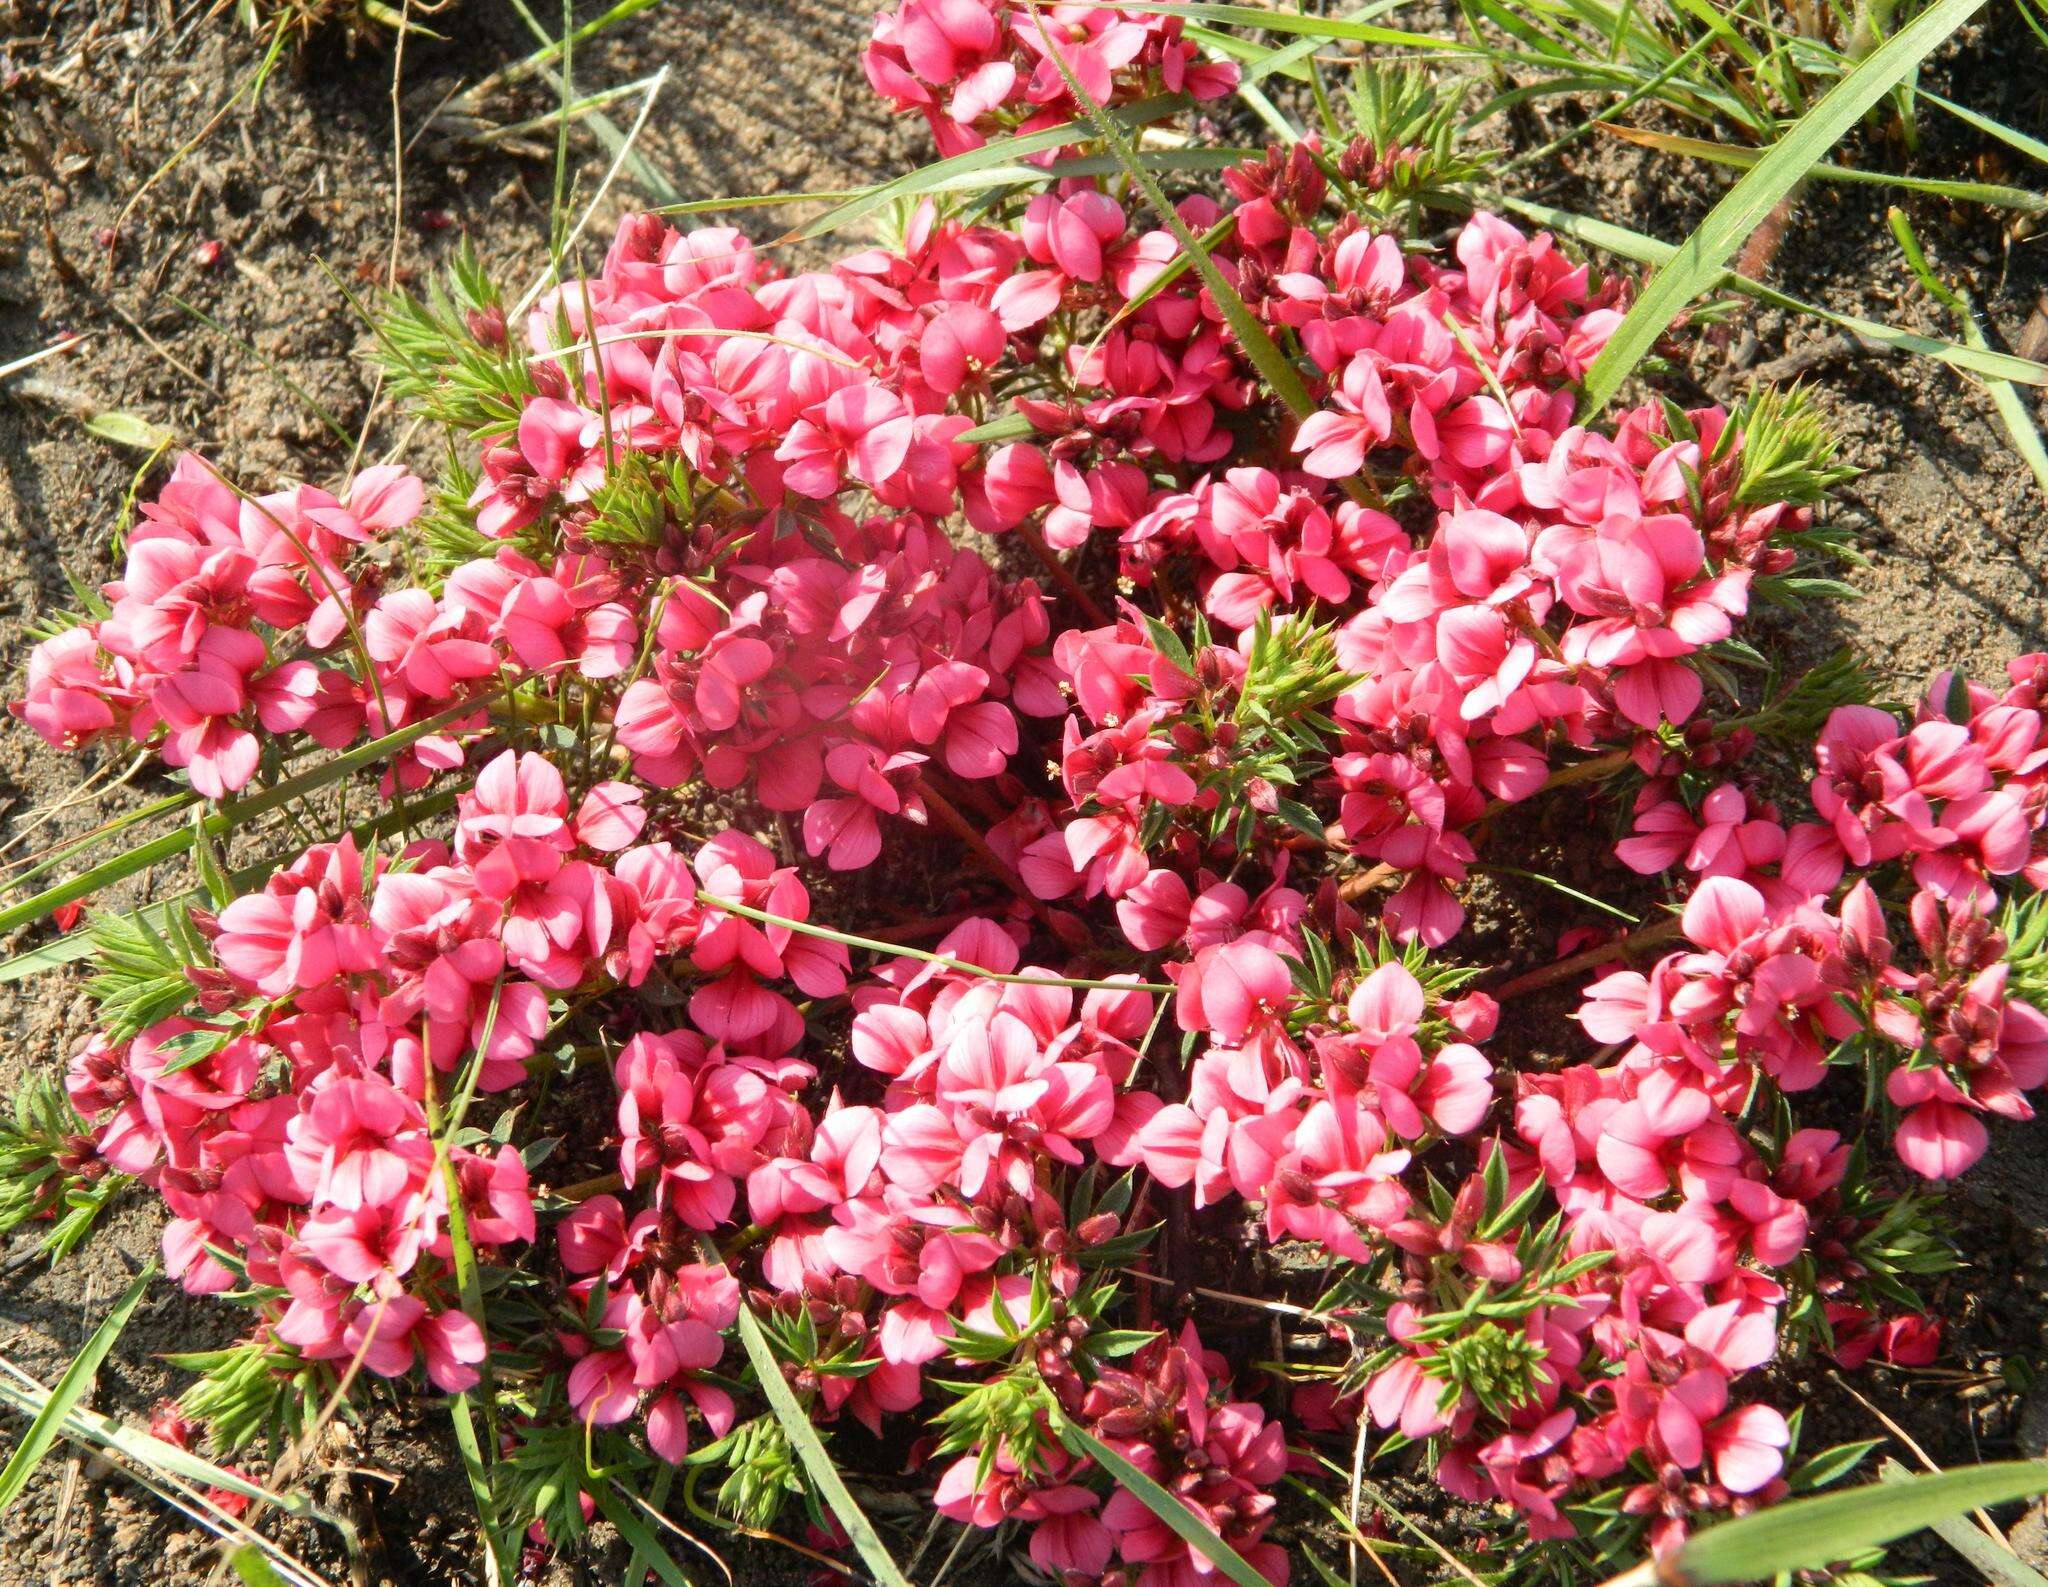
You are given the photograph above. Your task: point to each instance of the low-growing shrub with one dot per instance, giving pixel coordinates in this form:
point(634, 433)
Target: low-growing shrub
point(716, 648)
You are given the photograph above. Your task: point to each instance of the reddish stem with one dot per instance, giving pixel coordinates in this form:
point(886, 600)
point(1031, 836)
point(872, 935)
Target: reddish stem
point(963, 829)
point(1624, 948)
point(1353, 888)
point(1064, 577)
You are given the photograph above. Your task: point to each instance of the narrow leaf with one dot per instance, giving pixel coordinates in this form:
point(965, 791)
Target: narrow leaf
point(1808, 1533)
point(1700, 260)
point(69, 1390)
point(1188, 1526)
point(810, 1449)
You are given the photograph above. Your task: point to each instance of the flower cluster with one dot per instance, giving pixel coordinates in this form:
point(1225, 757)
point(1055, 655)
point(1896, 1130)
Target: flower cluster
point(1954, 799)
point(184, 655)
point(702, 613)
point(980, 68)
point(292, 1127)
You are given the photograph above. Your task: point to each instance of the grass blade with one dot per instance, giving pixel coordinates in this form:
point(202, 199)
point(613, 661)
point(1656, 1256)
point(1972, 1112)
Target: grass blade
point(1808, 1533)
point(651, 181)
point(69, 1390)
point(550, 48)
point(1272, 364)
point(1698, 265)
point(1997, 1561)
point(648, 1554)
point(1991, 127)
point(805, 928)
point(1291, 60)
point(230, 814)
point(189, 1484)
point(810, 1449)
point(1184, 1522)
point(2013, 410)
point(1219, 157)
point(102, 1435)
point(78, 944)
point(1282, 21)
point(63, 344)
point(1997, 194)
point(71, 848)
point(1634, 246)
point(998, 151)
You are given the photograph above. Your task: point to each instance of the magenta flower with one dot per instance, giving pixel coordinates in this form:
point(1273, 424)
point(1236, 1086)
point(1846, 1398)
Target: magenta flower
point(359, 1142)
point(860, 431)
point(307, 927)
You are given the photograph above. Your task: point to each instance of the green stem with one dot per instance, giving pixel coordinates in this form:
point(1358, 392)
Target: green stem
point(229, 814)
point(945, 960)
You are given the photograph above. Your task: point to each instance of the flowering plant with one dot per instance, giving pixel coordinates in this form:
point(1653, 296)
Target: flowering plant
point(1185, 597)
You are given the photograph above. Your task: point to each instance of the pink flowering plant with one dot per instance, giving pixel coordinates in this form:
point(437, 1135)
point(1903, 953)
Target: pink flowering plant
point(601, 1081)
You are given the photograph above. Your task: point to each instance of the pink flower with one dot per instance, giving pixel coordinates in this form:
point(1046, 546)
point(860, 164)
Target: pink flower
point(1334, 441)
point(359, 1142)
point(1937, 1139)
point(861, 430)
point(1233, 990)
point(566, 619)
point(1339, 1183)
point(377, 1243)
point(306, 928)
point(429, 651)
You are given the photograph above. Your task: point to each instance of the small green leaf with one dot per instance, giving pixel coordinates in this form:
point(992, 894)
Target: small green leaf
point(1298, 816)
point(191, 1047)
point(1112, 1342)
point(128, 429)
point(1831, 1465)
point(1009, 427)
point(70, 1389)
point(248, 1563)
